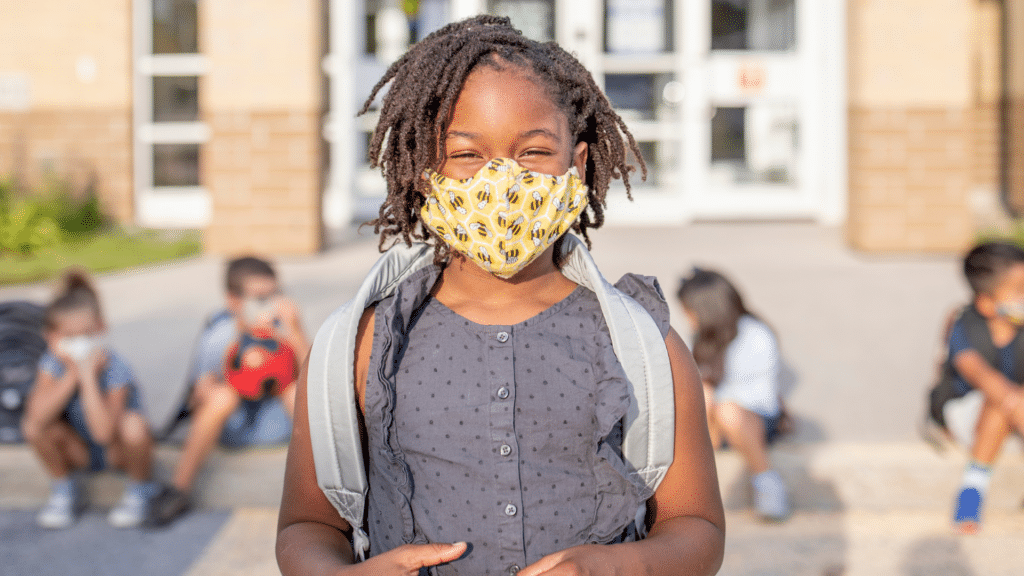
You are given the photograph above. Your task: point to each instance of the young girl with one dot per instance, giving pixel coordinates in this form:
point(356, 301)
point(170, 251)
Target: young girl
point(490, 396)
point(738, 358)
point(84, 412)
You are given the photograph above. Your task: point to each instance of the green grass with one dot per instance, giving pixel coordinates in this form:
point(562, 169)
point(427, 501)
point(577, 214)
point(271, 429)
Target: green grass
point(107, 251)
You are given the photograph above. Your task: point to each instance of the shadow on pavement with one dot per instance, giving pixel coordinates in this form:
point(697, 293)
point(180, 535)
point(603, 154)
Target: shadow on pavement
point(92, 547)
point(936, 555)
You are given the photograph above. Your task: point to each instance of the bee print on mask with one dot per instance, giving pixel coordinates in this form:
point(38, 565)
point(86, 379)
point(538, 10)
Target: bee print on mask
point(504, 216)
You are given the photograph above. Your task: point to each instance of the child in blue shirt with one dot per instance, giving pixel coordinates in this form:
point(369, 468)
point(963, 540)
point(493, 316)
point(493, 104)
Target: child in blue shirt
point(85, 411)
point(984, 368)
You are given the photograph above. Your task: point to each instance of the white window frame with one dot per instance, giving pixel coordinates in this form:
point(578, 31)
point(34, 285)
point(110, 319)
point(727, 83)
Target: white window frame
point(821, 191)
point(162, 206)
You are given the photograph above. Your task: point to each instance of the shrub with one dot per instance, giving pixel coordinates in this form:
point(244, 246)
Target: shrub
point(51, 214)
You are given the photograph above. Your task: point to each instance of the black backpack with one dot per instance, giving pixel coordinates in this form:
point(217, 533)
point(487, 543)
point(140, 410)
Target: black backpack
point(980, 339)
point(21, 345)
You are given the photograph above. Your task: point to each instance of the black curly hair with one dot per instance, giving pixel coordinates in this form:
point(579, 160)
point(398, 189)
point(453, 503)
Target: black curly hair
point(416, 111)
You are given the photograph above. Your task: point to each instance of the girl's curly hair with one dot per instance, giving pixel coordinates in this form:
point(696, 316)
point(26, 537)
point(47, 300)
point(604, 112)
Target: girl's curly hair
point(417, 109)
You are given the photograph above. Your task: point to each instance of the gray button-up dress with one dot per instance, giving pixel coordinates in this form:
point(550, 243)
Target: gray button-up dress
point(506, 437)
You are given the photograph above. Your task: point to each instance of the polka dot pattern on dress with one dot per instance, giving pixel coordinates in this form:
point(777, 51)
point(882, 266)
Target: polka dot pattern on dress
point(511, 435)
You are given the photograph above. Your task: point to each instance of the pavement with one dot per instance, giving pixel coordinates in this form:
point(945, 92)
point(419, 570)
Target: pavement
point(860, 331)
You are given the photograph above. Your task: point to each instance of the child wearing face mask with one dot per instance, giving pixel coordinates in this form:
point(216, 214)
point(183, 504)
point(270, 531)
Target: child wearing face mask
point(241, 378)
point(488, 371)
point(980, 400)
point(85, 411)
point(741, 367)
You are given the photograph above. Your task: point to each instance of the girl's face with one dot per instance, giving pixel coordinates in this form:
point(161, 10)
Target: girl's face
point(74, 325)
point(81, 322)
point(507, 114)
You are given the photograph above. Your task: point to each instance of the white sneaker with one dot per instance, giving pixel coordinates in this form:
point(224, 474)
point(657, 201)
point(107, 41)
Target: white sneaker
point(60, 511)
point(129, 512)
point(771, 499)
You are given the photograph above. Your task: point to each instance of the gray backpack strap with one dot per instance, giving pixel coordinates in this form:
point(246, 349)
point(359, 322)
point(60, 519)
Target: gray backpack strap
point(649, 426)
point(331, 402)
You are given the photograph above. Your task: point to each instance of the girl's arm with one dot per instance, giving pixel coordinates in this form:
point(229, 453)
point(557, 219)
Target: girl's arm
point(312, 538)
point(50, 395)
point(102, 410)
point(688, 532)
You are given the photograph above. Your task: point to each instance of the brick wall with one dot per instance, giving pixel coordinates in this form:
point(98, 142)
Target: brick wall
point(1014, 90)
point(262, 98)
point(910, 173)
point(1015, 153)
point(89, 148)
point(262, 169)
point(924, 152)
point(76, 117)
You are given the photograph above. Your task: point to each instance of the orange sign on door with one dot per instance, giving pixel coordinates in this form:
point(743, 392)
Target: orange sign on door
point(752, 77)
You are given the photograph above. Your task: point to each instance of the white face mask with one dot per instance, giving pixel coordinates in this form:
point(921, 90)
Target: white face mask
point(258, 310)
point(80, 347)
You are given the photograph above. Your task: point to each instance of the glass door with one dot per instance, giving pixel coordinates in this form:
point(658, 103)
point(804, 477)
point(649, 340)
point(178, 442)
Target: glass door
point(727, 100)
point(755, 131)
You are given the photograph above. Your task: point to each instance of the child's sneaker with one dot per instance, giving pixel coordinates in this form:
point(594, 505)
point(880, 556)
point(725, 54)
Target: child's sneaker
point(967, 516)
point(770, 497)
point(167, 506)
point(63, 507)
point(130, 512)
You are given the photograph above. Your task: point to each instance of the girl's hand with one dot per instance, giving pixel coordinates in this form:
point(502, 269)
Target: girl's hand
point(287, 312)
point(69, 363)
point(586, 560)
point(92, 363)
point(409, 558)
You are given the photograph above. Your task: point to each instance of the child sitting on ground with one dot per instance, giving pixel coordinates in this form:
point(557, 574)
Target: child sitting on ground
point(85, 411)
point(740, 365)
point(984, 371)
point(488, 384)
point(227, 402)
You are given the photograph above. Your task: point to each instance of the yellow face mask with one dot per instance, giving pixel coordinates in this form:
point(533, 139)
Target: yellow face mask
point(505, 215)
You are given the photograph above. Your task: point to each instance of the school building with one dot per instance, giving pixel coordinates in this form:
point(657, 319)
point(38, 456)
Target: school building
point(901, 120)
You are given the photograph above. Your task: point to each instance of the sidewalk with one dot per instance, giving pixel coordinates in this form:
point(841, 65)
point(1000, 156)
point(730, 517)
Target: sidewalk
point(861, 332)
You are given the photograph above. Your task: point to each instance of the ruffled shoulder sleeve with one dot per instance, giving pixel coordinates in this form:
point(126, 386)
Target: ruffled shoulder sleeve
point(647, 292)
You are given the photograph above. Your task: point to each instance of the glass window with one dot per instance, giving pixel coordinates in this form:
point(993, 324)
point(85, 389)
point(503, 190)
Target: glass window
point(753, 24)
point(175, 27)
point(638, 26)
point(175, 165)
point(643, 96)
point(175, 99)
point(756, 144)
point(662, 159)
point(424, 17)
point(534, 18)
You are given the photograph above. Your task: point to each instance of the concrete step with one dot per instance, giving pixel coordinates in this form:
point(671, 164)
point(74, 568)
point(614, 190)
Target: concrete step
point(822, 477)
point(874, 477)
point(871, 543)
point(231, 478)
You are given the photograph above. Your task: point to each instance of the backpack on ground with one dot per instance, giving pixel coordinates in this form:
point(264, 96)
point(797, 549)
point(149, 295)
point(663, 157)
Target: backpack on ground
point(21, 345)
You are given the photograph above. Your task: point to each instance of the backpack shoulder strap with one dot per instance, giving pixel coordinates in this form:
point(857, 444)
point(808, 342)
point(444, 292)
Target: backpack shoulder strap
point(331, 402)
point(648, 441)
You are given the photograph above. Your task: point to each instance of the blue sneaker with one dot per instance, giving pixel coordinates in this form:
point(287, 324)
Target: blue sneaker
point(967, 515)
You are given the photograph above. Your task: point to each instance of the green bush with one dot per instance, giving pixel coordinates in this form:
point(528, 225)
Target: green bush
point(51, 214)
